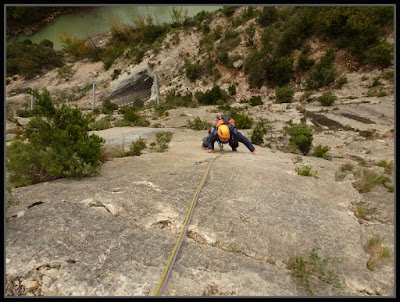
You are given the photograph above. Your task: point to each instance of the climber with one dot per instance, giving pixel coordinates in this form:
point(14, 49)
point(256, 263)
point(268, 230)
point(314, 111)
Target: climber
point(224, 132)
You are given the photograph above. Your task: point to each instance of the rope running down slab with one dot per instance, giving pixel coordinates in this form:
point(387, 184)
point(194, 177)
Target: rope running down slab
point(185, 226)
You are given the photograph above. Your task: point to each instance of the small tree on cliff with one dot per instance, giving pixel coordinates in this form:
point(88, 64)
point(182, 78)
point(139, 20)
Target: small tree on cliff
point(54, 144)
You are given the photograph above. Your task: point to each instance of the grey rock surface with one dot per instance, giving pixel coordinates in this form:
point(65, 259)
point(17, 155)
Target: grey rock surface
point(126, 135)
point(112, 235)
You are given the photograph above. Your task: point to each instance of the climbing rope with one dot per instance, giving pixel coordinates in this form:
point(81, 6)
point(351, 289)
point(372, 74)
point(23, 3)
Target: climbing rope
point(178, 244)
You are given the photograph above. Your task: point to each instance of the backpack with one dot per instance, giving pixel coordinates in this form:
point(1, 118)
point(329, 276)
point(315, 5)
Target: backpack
point(222, 119)
point(225, 119)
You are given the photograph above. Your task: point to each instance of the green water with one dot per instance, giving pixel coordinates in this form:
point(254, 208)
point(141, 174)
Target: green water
point(99, 20)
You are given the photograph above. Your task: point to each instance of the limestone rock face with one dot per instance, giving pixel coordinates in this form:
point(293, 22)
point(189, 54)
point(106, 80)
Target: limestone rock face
point(112, 235)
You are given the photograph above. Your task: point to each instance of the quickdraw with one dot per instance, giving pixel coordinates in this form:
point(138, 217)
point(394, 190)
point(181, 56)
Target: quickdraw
point(203, 161)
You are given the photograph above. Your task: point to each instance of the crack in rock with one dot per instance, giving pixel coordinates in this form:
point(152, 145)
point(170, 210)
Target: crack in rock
point(213, 290)
point(22, 212)
point(166, 224)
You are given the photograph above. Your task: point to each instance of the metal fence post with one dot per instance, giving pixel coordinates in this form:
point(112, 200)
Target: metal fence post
point(155, 79)
point(32, 99)
point(94, 96)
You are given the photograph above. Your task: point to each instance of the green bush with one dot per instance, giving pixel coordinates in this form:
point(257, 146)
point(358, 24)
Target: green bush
point(230, 34)
point(237, 21)
point(389, 166)
point(327, 98)
point(366, 133)
point(112, 52)
point(267, 16)
point(66, 72)
point(304, 63)
point(288, 41)
point(255, 100)
point(258, 133)
point(162, 140)
point(367, 179)
point(328, 59)
point(248, 13)
point(29, 60)
point(300, 137)
point(279, 70)
point(316, 266)
point(346, 167)
point(251, 31)
point(132, 118)
point(93, 52)
point(198, 124)
point(56, 144)
point(376, 91)
point(268, 35)
point(232, 89)
point(28, 15)
point(228, 10)
point(321, 152)
point(223, 57)
point(208, 40)
point(116, 74)
point(306, 49)
point(108, 107)
point(284, 95)
point(136, 147)
point(306, 171)
point(242, 120)
point(323, 73)
point(306, 97)
point(139, 103)
point(211, 97)
point(205, 16)
point(175, 100)
point(298, 27)
point(355, 28)
point(209, 65)
point(46, 43)
point(137, 53)
point(152, 32)
point(341, 82)
point(25, 112)
point(162, 108)
point(389, 75)
point(254, 68)
point(229, 41)
point(376, 82)
point(102, 124)
point(380, 55)
point(192, 70)
point(73, 46)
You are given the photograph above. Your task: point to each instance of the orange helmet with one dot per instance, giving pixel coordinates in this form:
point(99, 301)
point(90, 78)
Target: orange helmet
point(223, 131)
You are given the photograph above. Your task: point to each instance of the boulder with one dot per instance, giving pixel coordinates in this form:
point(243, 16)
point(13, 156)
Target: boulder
point(237, 64)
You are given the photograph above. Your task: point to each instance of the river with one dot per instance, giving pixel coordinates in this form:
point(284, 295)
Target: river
point(100, 19)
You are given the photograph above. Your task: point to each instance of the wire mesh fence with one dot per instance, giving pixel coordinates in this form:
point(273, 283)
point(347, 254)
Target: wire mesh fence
point(143, 87)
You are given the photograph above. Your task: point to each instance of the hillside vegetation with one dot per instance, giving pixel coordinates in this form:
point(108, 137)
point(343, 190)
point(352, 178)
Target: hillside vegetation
point(312, 214)
point(276, 54)
point(269, 56)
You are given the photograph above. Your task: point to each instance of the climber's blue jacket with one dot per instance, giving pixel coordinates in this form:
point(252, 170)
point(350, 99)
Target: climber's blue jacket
point(234, 135)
